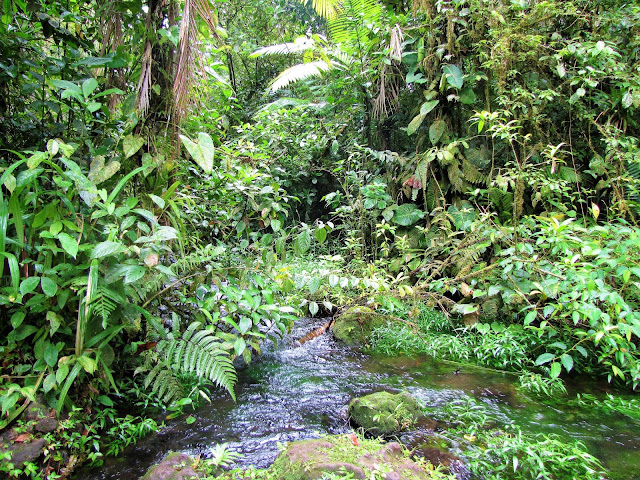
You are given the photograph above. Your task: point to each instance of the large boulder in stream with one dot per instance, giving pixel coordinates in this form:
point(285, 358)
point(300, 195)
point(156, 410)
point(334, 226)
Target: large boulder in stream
point(348, 455)
point(175, 466)
point(383, 413)
point(356, 324)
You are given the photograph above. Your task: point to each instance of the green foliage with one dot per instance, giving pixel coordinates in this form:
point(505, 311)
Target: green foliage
point(515, 455)
point(82, 263)
point(571, 286)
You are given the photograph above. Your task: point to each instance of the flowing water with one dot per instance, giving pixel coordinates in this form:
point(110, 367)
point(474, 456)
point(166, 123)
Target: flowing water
point(297, 391)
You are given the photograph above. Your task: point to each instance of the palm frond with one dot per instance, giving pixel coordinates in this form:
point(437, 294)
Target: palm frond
point(189, 61)
point(299, 72)
point(144, 84)
point(354, 14)
point(301, 44)
point(327, 8)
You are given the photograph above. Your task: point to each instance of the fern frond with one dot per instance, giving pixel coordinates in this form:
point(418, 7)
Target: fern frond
point(164, 383)
point(569, 174)
point(472, 174)
point(299, 72)
point(198, 352)
point(456, 177)
point(105, 302)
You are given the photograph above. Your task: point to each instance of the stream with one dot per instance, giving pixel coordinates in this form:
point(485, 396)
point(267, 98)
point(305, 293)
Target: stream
point(295, 392)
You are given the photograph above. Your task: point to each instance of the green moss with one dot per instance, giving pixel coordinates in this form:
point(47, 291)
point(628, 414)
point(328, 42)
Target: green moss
point(338, 457)
point(384, 413)
point(356, 324)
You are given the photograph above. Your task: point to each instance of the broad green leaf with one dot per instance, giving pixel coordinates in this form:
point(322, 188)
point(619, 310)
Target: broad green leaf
point(333, 280)
point(202, 152)
point(467, 96)
point(134, 273)
point(436, 130)
point(105, 249)
point(131, 144)
point(544, 358)
point(276, 224)
point(321, 234)
point(69, 244)
point(52, 147)
point(159, 201)
point(49, 383)
point(415, 123)
point(17, 318)
point(413, 77)
point(51, 355)
point(314, 285)
point(428, 106)
point(245, 324)
point(313, 308)
point(94, 106)
point(99, 173)
point(104, 400)
point(62, 372)
point(304, 241)
point(567, 362)
point(88, 363)
point(454, 75)
point(49, 286)
point(25, 177)
point(239, 346)
point(556, 368)
point(94, 62)
point(28, 285)
point(407, 214)
point(55, 321)
point(10, 183)
point(67, 86)
point(89, 86)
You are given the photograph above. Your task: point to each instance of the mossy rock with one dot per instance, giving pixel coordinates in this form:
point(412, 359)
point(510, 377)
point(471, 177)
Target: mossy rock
point(383, 413)
point(356, 324)
point(175, 466)
point(347, 455)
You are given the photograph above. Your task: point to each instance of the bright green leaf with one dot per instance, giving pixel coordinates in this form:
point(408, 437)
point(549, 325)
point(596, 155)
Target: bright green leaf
point(49, 286)
point(544, 358)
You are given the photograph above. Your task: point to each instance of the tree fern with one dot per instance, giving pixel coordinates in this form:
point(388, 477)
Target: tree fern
point(195, 352)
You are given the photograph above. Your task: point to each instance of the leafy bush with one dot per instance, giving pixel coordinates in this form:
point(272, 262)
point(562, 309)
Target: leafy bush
point(79, 260)
point(577, 288)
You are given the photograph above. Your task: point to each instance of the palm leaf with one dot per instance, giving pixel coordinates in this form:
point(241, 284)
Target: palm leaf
point(301, 44)
point(326, 8)
point(299, 72)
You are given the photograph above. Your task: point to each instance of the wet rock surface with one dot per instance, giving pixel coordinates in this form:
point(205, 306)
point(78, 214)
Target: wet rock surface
point(23, 452)
point(175, 466)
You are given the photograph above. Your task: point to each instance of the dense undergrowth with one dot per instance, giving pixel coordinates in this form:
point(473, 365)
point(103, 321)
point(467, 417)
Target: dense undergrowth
point(157, 223)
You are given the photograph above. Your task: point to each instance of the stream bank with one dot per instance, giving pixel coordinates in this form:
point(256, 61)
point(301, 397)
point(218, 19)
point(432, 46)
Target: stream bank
point(296, 392)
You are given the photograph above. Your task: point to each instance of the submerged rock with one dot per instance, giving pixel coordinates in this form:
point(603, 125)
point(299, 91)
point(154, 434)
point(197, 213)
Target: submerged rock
point(356, 324)
point(175, 466)
point(383, 413)
point(345, 454)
